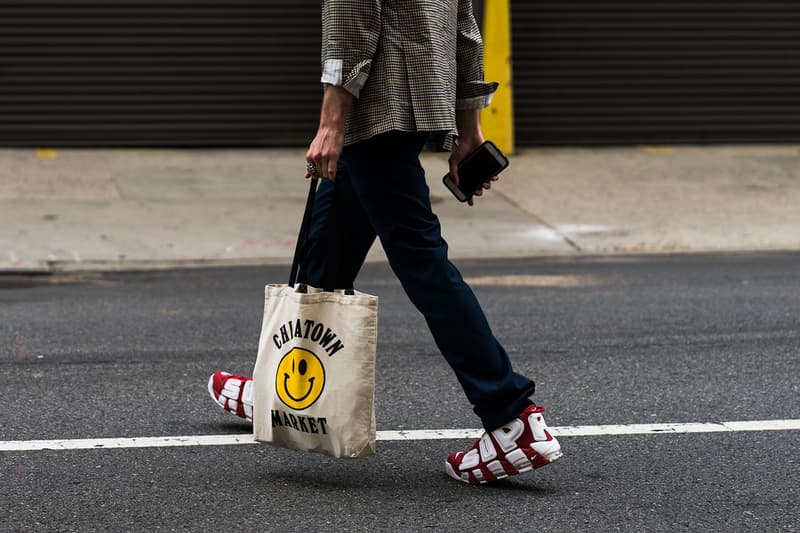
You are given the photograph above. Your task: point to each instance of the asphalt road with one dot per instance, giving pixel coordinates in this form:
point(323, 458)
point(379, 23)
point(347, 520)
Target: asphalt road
point(608, 341)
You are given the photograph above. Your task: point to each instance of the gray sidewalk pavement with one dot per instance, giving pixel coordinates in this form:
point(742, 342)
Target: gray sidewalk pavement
point(123, 209)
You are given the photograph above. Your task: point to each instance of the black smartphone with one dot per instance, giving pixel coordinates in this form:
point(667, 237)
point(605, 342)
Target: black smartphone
point(475, 170)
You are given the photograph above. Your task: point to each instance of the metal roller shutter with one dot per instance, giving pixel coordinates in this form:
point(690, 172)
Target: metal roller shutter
point(159, 72)
point(629, 71)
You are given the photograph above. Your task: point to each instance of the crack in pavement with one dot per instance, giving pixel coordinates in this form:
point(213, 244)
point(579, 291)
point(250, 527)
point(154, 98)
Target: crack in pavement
point(574, 245)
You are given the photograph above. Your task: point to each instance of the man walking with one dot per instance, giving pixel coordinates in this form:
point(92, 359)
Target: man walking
point(399, 75)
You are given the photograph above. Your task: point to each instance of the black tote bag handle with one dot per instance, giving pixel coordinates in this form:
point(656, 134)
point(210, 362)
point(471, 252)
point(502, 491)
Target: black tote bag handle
point(335, 241)
point(299, 249)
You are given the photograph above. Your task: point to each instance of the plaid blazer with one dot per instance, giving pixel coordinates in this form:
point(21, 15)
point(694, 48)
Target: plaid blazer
point(409, 63)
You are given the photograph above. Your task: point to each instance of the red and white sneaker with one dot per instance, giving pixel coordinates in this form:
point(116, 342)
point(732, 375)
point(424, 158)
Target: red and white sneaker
point(516, 447)
point(232, 393)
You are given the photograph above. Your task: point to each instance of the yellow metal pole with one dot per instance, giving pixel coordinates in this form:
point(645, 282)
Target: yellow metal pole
point(497, 120)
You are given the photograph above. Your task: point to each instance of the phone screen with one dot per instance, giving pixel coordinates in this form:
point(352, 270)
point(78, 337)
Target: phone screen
point(480, 166)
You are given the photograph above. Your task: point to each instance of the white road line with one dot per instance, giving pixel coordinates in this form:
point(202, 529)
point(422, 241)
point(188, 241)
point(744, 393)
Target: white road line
point(410, 435)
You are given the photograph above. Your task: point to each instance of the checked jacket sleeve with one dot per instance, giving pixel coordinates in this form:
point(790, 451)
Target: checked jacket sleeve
point(350, 33)
point(472, 92)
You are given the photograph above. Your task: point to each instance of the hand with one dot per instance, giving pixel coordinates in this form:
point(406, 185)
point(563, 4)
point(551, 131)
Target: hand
point(327, 146)
point(325, 150)
point(464, 147)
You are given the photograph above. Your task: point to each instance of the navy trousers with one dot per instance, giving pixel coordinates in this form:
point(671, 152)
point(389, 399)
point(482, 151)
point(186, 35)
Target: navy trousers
point(380, 190)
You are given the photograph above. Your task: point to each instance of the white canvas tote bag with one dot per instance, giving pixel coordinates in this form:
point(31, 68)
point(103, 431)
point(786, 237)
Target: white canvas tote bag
point(314, 379)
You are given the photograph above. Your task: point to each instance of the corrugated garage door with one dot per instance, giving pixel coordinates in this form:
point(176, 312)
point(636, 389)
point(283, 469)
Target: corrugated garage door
point(643, 71)
point(158, 72)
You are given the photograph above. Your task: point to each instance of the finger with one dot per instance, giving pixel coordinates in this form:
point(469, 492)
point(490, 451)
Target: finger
point(487, 185)
point(479, 192)
point(322, 168)
point(454, 171)
point(309, 161)
point(320, 164)
point(470, 201)
point(332, 167)
point(325, 169)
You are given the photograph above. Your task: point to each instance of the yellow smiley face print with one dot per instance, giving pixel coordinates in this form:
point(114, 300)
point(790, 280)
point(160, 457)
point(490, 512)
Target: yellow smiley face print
point(300, 379)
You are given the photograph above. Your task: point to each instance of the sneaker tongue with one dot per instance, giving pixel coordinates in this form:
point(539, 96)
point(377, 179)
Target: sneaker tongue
point(533, 408)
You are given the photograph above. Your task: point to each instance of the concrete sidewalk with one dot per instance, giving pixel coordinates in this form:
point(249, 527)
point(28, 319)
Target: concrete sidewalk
point(121, 209)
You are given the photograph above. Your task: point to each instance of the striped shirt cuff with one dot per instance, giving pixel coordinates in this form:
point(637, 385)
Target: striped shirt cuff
point(476, 102)
point(475, 94)
point(354, 81)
